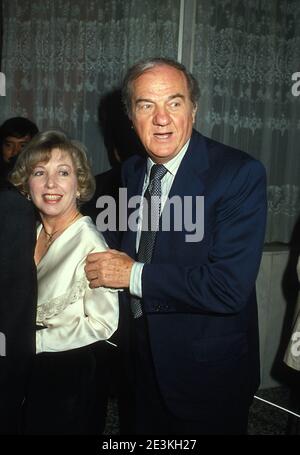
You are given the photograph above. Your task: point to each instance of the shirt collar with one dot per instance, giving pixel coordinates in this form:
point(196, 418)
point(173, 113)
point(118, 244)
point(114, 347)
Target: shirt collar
point(172, 165)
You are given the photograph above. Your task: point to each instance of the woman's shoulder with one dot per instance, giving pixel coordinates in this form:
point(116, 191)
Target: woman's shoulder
point(89, 234)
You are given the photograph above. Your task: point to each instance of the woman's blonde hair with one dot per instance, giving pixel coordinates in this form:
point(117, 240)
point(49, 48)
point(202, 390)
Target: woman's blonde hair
point(39, 150)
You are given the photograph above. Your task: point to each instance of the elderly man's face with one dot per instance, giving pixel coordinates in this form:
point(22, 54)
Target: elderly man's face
point(162, 112)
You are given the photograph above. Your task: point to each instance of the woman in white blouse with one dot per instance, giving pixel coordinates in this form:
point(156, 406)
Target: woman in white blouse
point(65, 389)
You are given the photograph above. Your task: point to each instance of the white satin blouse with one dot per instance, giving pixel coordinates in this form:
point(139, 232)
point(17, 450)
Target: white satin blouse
point(73, 315)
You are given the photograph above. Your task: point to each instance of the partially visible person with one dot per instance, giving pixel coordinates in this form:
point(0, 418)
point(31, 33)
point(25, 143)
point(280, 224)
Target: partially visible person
point(194, 350)
point(292, 359)
point(292, 353)
point(121, 142)
point(64, 396)
point(17, 284)
point(17, 304)
point(15, 133)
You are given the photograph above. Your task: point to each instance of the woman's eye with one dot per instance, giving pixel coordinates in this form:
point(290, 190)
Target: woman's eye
point(64, 173)
point(37, 173)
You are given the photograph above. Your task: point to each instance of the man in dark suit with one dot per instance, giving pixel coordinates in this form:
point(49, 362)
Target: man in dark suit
point(195, 354)
point(17, 303)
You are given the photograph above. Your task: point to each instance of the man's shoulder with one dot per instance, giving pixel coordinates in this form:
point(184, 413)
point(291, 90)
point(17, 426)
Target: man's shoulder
point(133, 161)
point(132, 165)
point(10, 196)
point(226, 156)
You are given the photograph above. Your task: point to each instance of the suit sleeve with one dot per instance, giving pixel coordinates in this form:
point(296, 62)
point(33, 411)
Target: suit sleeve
point(225, 281)
point(18, 274)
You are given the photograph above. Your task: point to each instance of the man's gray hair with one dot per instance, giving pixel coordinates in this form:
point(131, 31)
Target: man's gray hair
point(144, 65)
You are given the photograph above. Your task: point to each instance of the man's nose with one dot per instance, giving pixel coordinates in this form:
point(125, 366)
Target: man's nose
point(16, 149)
point(161, 117)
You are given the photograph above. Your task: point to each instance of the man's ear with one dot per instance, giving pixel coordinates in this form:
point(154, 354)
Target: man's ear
point(195, 107)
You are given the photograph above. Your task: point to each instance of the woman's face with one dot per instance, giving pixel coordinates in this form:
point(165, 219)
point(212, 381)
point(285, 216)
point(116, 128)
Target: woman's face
point(53, 186)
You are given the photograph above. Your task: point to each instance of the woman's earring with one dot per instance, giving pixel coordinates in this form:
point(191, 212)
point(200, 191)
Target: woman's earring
point(28, 197)
point(77, 195)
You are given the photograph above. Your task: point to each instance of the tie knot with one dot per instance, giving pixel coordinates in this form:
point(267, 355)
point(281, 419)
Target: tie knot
point(157, 172)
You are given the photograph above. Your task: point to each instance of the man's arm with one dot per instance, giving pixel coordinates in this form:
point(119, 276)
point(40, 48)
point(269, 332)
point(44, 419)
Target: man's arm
point(110, 268)
point(224, 283)
point(18, 273)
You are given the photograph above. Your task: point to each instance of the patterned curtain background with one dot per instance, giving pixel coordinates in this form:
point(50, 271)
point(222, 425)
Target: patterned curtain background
point(61, 57)
point(245, 54)
point(1, 33)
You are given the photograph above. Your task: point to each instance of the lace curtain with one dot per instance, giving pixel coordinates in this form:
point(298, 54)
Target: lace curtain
point(245, 54)
point(61, 57)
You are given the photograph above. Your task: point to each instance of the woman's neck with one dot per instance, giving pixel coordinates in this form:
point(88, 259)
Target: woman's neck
point(53, 224)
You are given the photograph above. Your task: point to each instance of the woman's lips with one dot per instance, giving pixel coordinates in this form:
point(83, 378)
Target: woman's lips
point(52, 198)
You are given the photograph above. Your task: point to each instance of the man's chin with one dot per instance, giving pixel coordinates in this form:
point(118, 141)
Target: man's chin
point(163, 154)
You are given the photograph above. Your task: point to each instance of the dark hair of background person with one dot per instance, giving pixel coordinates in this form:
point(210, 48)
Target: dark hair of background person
point(17, 127)
point(120, 141)
point(118, 134)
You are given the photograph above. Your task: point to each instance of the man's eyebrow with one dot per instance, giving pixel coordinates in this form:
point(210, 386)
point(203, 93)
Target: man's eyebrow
point(143, 100)
point(147, 100)
point(177, 95)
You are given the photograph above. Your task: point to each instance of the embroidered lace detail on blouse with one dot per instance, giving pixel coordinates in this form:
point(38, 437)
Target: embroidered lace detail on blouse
point(52, 307)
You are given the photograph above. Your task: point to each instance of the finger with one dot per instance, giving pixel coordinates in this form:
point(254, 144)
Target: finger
point(93, 284)
point(89, 268)
point(91, 276)
point(100, 257)
point(94, 257)
point(115, 252)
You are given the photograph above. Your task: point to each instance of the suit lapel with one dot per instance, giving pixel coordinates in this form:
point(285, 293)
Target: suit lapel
point(189, 179)
point(134, 188)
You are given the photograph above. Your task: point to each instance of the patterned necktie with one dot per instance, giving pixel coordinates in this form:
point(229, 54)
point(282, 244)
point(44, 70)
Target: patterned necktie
point(151, 214)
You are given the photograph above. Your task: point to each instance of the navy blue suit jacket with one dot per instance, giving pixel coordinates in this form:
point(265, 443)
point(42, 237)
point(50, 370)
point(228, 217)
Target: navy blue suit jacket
point(18, 286)
point(199, 297)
